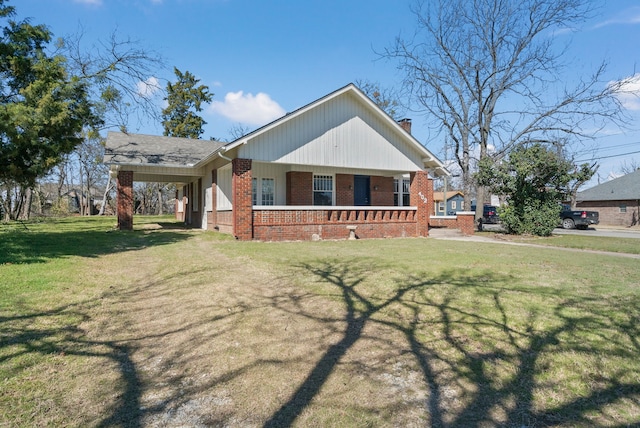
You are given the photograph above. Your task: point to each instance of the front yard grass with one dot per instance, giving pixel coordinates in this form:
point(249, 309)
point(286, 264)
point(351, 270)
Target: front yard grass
point(171, 327)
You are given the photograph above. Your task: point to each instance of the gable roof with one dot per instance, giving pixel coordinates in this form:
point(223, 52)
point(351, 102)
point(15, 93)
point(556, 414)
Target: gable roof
point(437, 196)
point(428, 159)
point(160, 151)
point(139, 149)
point(622, 188)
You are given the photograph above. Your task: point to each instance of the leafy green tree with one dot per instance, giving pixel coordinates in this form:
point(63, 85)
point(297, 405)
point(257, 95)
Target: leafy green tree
point(42, 109)
point(185, 98)
point(534, 179)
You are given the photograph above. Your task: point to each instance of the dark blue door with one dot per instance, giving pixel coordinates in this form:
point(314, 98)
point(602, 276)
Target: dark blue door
point(361, 192)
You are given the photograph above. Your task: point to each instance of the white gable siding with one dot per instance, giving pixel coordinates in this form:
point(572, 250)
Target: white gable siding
point(342, 133)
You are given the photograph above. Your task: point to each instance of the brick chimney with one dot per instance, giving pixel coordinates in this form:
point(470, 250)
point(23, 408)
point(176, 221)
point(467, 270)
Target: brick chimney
point(406, 124)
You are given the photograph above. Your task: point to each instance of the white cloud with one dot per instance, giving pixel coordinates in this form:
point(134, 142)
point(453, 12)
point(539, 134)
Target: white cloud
point(629, 16)
point(148, 87)
point(248, 109)
point(628, 91)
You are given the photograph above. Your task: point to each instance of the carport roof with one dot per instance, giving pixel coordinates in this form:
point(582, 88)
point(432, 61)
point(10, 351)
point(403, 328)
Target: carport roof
point(140, 149)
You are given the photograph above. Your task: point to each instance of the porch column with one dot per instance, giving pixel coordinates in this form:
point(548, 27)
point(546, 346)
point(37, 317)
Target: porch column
point(242, 206)
point(421, 196)
point(124, 200)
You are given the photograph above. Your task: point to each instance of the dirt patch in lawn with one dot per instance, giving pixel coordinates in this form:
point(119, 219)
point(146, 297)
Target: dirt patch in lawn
point(219, 341)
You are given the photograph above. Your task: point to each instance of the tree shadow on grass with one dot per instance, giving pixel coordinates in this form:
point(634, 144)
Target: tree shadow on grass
point(22, 336)
point(497, 360)
point(85, 240)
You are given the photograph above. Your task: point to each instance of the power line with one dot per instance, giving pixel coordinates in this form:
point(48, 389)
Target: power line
point(607, 157)
point(601, 148)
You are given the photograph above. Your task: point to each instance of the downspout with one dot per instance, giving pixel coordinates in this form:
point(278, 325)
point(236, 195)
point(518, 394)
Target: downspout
point(220, 153)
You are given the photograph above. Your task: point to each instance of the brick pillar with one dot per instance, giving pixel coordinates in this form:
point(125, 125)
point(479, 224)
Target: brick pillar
point(242, 207)
point(421, 196)
point(124, 200)
point(213, 223)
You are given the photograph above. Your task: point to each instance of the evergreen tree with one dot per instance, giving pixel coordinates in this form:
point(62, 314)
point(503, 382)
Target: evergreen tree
point(185, 98)
point(43, 110)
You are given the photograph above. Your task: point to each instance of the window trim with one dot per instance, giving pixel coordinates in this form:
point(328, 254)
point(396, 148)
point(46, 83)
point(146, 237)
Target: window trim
point(313, 188)
point(399, 191)
point(256, 191)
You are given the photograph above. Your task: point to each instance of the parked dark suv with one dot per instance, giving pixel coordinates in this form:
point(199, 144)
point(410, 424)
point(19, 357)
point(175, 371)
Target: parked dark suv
point(490, 215)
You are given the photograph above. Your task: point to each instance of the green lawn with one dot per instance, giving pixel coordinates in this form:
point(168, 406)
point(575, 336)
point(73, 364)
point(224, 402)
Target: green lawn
point(171, 327)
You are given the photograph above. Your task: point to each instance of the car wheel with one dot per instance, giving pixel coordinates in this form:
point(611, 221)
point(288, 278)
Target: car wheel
point(568, 223)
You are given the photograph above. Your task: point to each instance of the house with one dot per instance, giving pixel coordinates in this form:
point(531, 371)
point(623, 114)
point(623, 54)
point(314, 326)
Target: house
point(337, 167)
point(455, 199)
point(617, 201)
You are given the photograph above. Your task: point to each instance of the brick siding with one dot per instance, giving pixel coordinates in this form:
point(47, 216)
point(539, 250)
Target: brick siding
point(242, 207)
point(609, 212)
point(295, 225)
point(421, 196)
point(299, 188)
point(344, 189)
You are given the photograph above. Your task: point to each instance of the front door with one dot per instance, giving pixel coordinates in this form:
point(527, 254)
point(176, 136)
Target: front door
point(361, 192)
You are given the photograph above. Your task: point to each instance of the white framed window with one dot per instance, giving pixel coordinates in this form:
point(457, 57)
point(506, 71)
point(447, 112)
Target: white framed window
point(441, 206)
point(454, 205)
point(401, 193)
point(263, 191)
point(322, 190)
point(254, 191)
point(268, 191)
point(623, 208)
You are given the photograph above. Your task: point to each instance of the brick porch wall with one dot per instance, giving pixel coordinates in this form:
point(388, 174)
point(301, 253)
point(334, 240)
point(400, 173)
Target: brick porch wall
point(331, 223)
point(463, 221)
point(124, 200)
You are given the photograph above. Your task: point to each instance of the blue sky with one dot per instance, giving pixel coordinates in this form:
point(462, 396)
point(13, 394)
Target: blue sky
point(262, 59)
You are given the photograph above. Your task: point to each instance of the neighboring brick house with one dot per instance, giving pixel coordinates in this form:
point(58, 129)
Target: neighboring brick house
point(617, 201)
point(337, 167)
point(455, 200)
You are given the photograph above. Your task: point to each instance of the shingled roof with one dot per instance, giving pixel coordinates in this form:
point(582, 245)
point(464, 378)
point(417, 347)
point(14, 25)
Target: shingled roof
point(622, 188)
point(139, 149)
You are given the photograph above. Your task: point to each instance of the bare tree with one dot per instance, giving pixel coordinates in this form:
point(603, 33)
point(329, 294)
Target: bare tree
point(629, 167)
point(385, 98)
point(488, 74)
point(121, 76)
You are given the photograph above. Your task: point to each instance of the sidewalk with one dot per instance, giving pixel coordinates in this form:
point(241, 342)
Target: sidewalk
point(456, 235)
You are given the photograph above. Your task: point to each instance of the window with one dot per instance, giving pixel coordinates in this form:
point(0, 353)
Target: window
point(268, 191)
point(441, 206)
point(401, 194)
point(454, 205)
point(265, 192)
point(254, 191)
point(623, 208)
point(322, 190)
